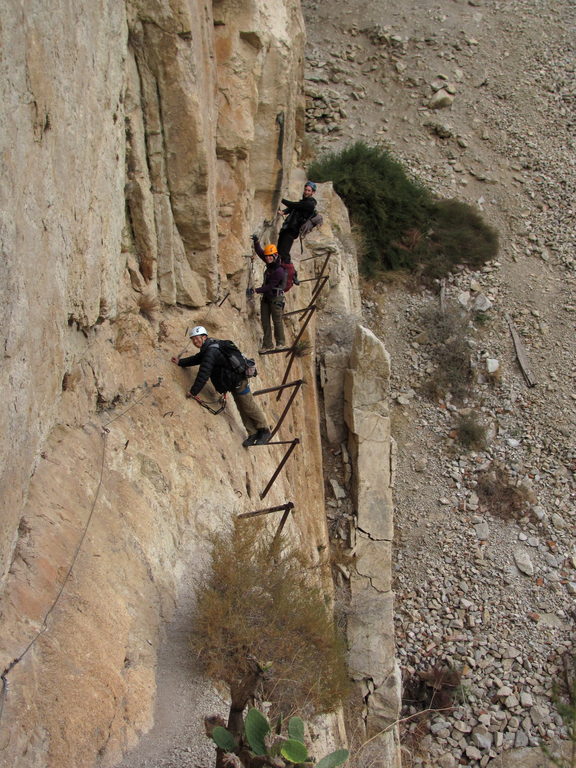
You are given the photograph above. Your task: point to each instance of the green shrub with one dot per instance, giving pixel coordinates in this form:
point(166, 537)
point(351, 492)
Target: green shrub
point(458, 235)
point(403, 225)
point(262, 621)
point(383, 201)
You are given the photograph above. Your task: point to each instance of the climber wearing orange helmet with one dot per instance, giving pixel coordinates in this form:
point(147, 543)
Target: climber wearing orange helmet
point(272, 292)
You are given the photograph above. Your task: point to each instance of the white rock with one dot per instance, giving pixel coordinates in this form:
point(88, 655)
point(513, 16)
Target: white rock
point(481, 737)
point(481, 303)
point(339, 492)
point(523, 562)
point(473, 752)
point(557, 521)
point(441, 100)
point(526, 699)
point(482, 531)
point(464, 299)
point(492, 364)
point(521, 739)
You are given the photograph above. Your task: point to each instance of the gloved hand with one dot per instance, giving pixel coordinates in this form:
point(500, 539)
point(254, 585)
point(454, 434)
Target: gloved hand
point(250, 291)
point(175, 360)
point(254, 238)
point(194, 397)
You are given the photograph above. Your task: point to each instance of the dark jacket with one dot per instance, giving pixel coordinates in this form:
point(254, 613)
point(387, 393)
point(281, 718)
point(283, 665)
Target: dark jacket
point(298, 213)
point(214, 366)
point(274, 276)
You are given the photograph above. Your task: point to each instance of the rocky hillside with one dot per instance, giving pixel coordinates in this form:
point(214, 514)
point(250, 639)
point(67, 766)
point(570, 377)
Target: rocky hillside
point(477, 98)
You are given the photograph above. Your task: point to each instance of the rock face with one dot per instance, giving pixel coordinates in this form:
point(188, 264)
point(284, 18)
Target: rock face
point(142, 143)
point(370, 627)
point(145, 183)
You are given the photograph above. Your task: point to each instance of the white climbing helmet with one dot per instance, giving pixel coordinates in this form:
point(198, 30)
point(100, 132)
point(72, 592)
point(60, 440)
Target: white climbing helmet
point(198, 330)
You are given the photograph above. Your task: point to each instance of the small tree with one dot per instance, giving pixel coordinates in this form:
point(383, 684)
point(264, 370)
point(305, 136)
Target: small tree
point(262, 623)
point(390, 207)
point(403, 225)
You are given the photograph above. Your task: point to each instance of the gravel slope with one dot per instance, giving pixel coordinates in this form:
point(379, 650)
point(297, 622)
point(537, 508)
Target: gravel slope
point(493, 596)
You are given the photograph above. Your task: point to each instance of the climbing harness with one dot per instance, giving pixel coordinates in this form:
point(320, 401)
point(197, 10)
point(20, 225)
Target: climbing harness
point(208, 403)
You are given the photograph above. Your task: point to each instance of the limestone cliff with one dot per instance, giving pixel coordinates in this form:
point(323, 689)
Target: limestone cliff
point(142, 143)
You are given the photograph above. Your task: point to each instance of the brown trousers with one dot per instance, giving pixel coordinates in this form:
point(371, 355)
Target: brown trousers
point(250, 412)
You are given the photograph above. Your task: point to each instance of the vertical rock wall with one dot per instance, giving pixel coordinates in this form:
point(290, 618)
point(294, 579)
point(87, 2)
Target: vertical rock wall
point(129, 133)
point(355, 382)
point(62, 212)
point(371, 621)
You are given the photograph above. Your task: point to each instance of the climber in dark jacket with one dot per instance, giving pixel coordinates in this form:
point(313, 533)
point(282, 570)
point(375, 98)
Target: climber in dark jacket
point(215, 366)
point(272, 292)
point(296, 214)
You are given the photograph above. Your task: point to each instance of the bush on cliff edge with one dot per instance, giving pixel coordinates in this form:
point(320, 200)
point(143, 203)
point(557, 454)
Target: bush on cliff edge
point(403, 225)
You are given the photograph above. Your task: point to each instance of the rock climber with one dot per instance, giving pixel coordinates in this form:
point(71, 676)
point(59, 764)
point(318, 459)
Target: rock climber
point(272, 291)
point(216, 367)
point(296, 214)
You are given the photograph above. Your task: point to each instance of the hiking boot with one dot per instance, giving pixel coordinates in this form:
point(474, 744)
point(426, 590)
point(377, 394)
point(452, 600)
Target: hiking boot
point(250, 440)
point(281, 346)
point(262, 437)
point(264, 349)
point(295, 281)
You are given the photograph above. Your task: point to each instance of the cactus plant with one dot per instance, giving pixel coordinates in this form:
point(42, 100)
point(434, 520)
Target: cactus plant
point(224, 739)
point(296, 729)
point(333, 759)
point(294, 751)
point(257, 728)
point(284, 753)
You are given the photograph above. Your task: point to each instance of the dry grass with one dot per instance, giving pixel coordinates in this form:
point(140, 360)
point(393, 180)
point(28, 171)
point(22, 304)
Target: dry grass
point(447, 330)
point(148, 306)
point(470, 432)
point(500, 496)
point(261, 605)
point(302, 349)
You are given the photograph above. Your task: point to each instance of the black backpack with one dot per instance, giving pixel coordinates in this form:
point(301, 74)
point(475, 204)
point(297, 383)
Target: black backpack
point(242, 367)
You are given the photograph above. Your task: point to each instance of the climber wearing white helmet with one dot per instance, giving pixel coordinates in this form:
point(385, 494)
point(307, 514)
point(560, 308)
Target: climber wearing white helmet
point(225, 375)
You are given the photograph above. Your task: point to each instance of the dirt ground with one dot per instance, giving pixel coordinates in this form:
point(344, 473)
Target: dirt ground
point(506, 145)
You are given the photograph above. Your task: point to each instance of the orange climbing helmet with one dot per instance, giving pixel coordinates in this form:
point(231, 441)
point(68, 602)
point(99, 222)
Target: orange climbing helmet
point(270, 250)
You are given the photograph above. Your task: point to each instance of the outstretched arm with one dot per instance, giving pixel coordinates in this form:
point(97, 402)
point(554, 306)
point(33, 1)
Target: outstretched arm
point(257, 247)
point(306, 205)
point(209, 359)
point(186, 362)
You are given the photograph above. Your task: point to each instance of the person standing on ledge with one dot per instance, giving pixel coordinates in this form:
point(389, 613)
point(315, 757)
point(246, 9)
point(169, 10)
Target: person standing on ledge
point(272, 292)
point(214, 365)
point(296, 214)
